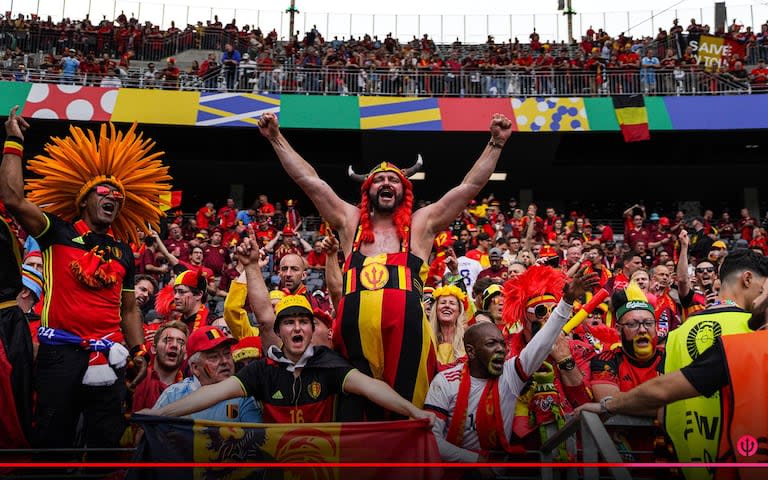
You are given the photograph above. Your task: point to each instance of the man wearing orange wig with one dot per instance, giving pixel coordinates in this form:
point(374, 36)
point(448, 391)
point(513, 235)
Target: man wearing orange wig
point(530, 299)
point(91, 194)
point(381, 327)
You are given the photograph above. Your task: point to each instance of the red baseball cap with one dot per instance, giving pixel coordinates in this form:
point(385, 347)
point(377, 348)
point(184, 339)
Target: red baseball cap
point(207, 338)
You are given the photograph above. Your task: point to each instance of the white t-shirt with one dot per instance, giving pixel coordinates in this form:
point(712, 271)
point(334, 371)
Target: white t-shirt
point(468, 269)
point(444, 390)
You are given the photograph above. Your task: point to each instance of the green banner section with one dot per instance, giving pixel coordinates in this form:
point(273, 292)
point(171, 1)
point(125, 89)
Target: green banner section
point(602, 116)
point(658, 117)
point(11, 94)
point(309, 111)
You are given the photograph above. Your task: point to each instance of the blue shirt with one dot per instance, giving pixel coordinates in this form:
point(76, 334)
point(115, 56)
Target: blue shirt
point(242, 216)
point(647, 73)
point(241, 409)
point(69, 66)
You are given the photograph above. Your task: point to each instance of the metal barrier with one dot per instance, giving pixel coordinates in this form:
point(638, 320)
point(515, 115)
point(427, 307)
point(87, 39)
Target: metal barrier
point(589, 431)
point(397, 81)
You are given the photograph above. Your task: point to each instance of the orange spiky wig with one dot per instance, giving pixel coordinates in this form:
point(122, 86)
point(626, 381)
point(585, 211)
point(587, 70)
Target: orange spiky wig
point(77, 163)
point(402, 214)
point(538, 284)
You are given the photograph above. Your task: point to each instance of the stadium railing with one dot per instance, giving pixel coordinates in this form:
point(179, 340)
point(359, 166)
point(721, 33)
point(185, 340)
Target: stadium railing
point(594, 444)
point(290, 79)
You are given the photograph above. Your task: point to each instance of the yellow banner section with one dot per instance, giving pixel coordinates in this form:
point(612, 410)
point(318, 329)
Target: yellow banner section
point(156, 106)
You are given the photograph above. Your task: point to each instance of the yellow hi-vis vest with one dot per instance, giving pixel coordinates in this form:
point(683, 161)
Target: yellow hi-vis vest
point(694, 424)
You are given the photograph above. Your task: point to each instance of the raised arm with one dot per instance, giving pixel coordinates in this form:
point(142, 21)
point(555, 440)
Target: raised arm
point(437, 216)
point(29, 215)
point(541, 344)
point(333, 276)
point(172, 260)
point(331, 207)
point(683, 282)
point(234, 313)
point(249, 255)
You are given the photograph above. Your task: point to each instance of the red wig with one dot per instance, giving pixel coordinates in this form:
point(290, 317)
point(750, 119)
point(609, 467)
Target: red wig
point(402, 215)
point(538, 280)
point(164, 302)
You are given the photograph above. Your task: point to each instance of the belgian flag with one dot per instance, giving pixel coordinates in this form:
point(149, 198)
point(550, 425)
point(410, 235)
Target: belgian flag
point(169, 200)
point(632, 117)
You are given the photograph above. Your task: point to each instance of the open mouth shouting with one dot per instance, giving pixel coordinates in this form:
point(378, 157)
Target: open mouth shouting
point(297, 341)
point(496, 364)
point(386, 193)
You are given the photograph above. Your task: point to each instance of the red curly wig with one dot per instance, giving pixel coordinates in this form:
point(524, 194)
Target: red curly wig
point(164, 302)
point(402, 215)
point(536, 281)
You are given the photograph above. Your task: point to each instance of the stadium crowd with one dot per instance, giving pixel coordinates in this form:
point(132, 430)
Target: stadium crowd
point(231, 304)
point(252, 60)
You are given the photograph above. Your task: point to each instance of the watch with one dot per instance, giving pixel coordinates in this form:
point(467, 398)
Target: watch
point(603, 404)
point(495, 144)
point(567, 364)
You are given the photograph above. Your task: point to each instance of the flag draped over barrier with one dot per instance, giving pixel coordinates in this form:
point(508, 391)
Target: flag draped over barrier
point(175, 440)
point(632, 117)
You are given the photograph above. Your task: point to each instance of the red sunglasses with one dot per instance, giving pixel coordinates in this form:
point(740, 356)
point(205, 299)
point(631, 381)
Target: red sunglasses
point(103, 191)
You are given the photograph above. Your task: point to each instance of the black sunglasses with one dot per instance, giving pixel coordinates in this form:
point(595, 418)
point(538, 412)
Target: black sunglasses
point(705, 269)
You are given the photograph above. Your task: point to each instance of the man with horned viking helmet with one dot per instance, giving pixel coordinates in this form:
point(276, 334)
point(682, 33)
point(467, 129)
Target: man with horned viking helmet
point(382, 329)
point(93, 191)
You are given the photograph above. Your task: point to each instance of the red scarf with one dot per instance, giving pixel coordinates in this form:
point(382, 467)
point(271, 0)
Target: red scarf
point(488, 418)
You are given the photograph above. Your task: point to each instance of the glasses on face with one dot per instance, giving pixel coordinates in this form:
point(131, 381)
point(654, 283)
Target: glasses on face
point(103, 191)
point(541, 311)
point(705, 269)
point(633, 325)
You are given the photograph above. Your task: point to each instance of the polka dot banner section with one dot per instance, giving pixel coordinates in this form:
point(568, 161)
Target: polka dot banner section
point(552, 114)
point(70, 102)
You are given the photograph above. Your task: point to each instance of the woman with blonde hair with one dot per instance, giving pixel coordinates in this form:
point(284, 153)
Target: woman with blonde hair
point(448, 320)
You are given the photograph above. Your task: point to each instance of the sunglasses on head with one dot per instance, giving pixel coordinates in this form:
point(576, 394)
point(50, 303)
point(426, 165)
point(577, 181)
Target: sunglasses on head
point(541, 311)
point(705, 269)
point(103, 191)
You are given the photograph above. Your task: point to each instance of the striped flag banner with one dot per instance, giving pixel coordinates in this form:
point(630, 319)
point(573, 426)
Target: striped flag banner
point(632, 117)
point(187, 440)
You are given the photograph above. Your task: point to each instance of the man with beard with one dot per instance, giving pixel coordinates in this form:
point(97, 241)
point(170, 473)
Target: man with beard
point(475, 402)
point(732, 371)
point(169, 349)
point(742, 276)
point(211, 363)
point(272, 380)
point(637, 360)
point(388, 249)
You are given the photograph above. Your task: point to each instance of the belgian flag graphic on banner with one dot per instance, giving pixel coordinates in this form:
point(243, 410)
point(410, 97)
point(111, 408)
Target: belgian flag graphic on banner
point(632, 117)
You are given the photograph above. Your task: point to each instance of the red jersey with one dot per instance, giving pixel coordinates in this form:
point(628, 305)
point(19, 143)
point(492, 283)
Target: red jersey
point(70, 304)
point(316, 259)
point(615, 368)
point(215, 257)
point(204, 217)
point(265, 236)
point(227, 217)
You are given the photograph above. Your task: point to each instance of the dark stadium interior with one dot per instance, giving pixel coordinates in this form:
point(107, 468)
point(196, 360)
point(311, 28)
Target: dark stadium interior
point(596, 172)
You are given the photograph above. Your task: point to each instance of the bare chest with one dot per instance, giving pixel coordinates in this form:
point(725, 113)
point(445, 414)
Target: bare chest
point(385, 241)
